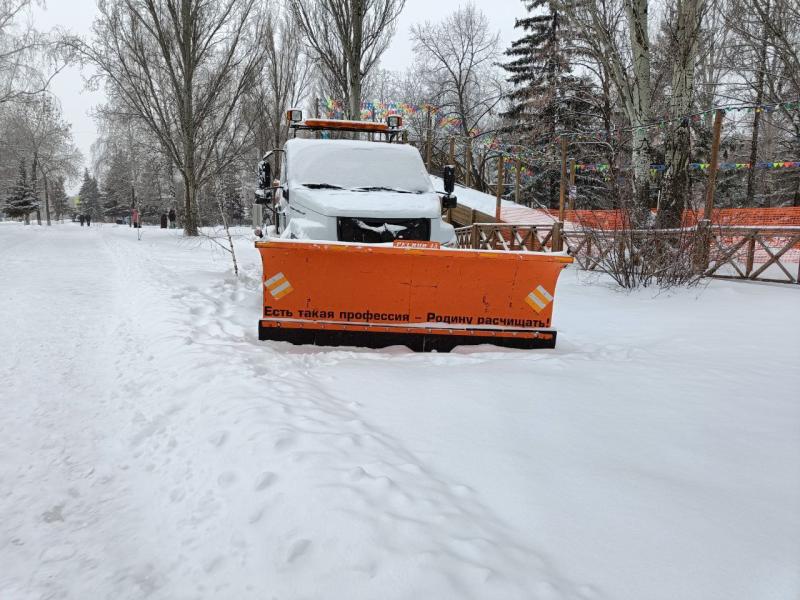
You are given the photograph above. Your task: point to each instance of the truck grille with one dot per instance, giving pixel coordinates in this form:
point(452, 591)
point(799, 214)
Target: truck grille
point(376, 231)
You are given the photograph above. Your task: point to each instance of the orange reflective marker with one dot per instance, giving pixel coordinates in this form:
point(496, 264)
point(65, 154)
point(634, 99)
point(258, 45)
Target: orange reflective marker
point(425, 298)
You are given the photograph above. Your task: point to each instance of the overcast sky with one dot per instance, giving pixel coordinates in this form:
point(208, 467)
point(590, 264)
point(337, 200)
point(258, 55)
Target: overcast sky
point(77, 16)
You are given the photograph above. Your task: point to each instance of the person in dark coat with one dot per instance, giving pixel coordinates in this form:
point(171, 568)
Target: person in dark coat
point(163, 220)
point(88, 220)
point(172, 217)
point(81, 218)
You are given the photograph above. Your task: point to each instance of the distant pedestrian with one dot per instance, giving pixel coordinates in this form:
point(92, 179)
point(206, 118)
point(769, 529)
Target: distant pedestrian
point(81, 218)
point(88, 220)
point(172, 217)
point(163, 220)
point(135, 218)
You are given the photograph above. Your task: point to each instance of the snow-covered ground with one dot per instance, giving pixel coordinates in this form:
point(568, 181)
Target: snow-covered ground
point(152, 447)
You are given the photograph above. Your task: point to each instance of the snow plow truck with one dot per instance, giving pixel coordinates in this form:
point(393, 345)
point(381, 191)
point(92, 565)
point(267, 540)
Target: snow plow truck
point(355, 251)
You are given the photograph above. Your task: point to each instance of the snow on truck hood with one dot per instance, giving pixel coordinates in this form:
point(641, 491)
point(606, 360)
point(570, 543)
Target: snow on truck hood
point(351, 164)
point(346, 203)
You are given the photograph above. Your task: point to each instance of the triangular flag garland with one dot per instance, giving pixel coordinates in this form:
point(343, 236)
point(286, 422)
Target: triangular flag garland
point(785, 164)
point(377, 110)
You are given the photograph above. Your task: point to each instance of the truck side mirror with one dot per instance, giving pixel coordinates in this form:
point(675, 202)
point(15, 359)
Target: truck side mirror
point(264, 175)
point(449, 201)
point(263, 196)
point(449, 176)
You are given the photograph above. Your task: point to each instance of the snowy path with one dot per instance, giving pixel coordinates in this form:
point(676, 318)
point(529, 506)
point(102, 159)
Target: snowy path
point(152, 447)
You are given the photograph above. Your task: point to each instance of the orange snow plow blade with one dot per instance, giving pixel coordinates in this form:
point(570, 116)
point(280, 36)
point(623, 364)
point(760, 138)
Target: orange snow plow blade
point(332, 294)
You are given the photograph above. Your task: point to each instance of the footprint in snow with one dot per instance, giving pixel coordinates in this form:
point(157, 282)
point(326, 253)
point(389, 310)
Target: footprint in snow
point(256, 515)
point(58, 553)
point(357, 474)
point(284, 442)
point(297, 550)
point(218, 438)
point(226, 479)
point(54, 514)
point(265, 480)
point(461, 490)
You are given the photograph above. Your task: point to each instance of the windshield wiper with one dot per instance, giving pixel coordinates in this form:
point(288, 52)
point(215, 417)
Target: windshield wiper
point(378, 188)
point(322, 186)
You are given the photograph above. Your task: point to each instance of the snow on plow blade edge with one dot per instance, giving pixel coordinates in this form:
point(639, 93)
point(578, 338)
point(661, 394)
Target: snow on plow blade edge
point(335, 294)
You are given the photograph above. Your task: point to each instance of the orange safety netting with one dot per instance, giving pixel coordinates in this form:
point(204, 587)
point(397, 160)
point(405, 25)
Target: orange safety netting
point(748, 217)
point(724, 217)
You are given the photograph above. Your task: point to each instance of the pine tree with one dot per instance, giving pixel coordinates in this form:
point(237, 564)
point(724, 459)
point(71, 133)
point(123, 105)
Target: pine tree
point(232, 199)
point(90, 196)
point(58, 196)
point(547, 98)
point(20, 202)
point(117, 187)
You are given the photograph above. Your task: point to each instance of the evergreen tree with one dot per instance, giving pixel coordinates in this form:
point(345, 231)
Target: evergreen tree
point(90, 196)
point(117, 187)
point(232, 199)
point(20, 202)
point(547, 98)
point(58, 197)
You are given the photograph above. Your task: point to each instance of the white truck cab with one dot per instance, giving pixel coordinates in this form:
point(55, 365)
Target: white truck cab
point(356, 191)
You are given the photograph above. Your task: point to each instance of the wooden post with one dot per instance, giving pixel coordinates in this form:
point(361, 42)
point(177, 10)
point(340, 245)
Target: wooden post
point(517, 180)
point(704, 227)
point(468, 163)
point(555, 239)
point(751, 251)
point(557, 245)
point(572, 169)
point(317, 114)
point(588, 250)
point(500, 185)
point(451, 159)
point(429, 142)
point(712, 167)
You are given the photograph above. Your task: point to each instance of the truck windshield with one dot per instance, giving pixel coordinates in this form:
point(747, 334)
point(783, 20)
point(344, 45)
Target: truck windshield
point(358, 166)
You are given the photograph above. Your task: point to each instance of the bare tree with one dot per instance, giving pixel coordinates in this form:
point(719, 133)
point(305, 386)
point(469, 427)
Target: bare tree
point(713, 61)
point(183, 67)
point(148, 170)
point(616, 35)
point(284, 83)
point(347, 38)
point(766, 53)
point(29, 59)
point(457, 58)
point(684, 37)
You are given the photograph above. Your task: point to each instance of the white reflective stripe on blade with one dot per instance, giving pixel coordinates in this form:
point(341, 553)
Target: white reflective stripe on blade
point(544, 293)
point(536, 300)
point(279, 289)
point(273, 279)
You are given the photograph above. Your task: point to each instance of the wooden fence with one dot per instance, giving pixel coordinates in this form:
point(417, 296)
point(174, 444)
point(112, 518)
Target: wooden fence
point(761, 253)
point(751, 253)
